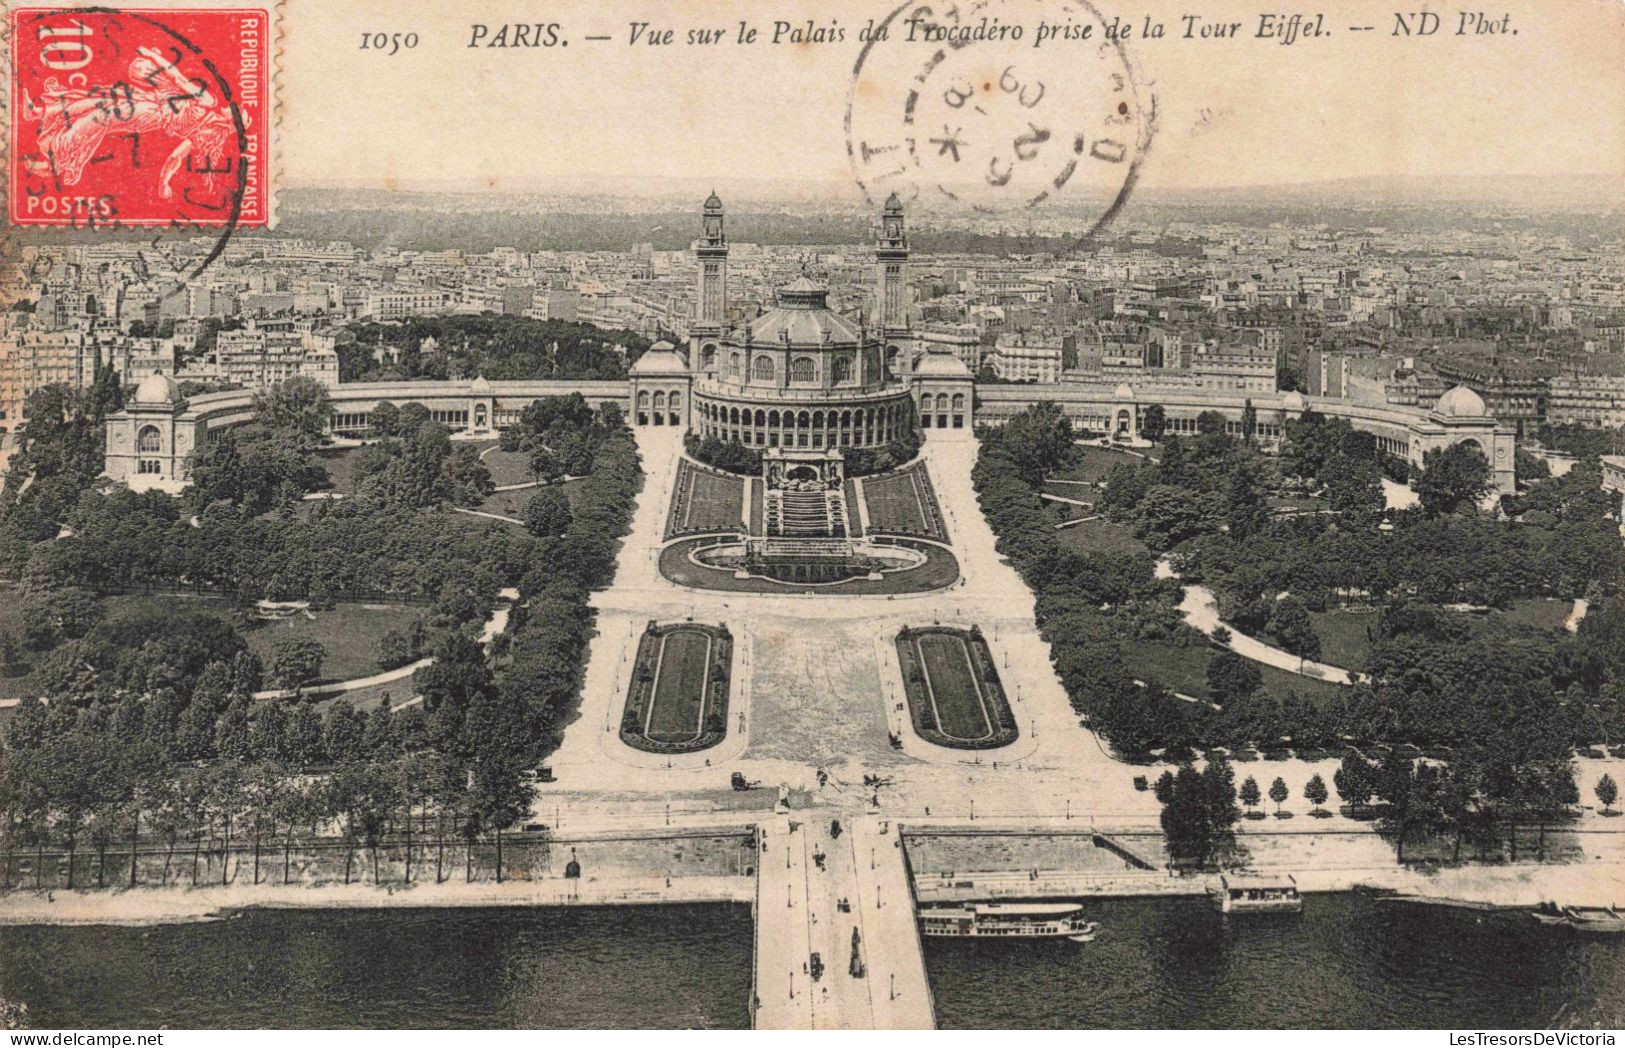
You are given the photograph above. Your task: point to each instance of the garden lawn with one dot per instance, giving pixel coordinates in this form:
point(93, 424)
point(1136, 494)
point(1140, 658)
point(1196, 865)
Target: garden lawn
point(348, 632)
point(716, 502)
point(1536, 612)
point(1101, 535)
point(513, 503)
point(903, 503)
point(960, 713)
point(1343, 639)
point(1185, 670)
point(679, 695)
point(1092, 464)
point(508, 467)
point(340, 466)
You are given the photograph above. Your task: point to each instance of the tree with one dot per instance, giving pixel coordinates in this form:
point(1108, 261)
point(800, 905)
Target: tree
point(1456, 477)
point(1249, 421)
point(1355, 780)
point(1278, 793)
point(302, 732)
point(1153, 422)
point(11, 655)
point(297, 405)
point(1607, 791)
point(1167, 515)
point(386, 419)
point(1231, 677)
point(343, 734)
point(544, 466)
point(296, 660)
point(1250, 796)
point(464, 478)
point(1292, 626)
point(1314, 791)
point(1246, 512)
point(1185, 820)
point(1352, 485)
point(1164, 787)
point(547, 515)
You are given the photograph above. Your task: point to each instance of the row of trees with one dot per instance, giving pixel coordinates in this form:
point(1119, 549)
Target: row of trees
point(1465, 802)
point(262, 811)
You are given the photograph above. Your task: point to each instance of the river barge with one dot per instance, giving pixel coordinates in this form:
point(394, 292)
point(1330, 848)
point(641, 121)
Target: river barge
point(998, 920)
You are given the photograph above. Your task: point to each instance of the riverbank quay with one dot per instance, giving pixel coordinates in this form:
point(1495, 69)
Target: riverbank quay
point(150, 906)
point(585, 866)
point(702, 858)
point(1013, 861)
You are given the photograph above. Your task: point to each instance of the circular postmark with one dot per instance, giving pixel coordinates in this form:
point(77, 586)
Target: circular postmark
point(124, 121)
point(998, 105)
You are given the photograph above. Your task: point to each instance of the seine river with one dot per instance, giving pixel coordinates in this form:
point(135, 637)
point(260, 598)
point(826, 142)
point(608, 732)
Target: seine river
point(1347, 961)
point(643, 966)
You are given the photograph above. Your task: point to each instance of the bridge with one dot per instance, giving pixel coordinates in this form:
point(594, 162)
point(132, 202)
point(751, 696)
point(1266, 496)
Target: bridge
point(845, 897)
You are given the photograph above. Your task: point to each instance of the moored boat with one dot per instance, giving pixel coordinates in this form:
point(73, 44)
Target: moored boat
point(1592, 920)
point(1249, 894)
point(1009, 920)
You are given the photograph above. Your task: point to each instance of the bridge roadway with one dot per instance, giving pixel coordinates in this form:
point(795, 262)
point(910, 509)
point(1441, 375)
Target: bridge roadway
point(815, 888)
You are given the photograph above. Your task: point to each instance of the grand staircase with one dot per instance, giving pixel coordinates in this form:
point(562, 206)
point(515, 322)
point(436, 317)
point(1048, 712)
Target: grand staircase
point(805, 514)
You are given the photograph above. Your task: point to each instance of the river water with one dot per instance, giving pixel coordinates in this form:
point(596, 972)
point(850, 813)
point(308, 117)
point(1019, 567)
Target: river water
point(642, 966)
point(1347, 961)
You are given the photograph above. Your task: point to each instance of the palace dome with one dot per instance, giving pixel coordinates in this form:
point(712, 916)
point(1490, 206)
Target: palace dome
point(660, 359)
point(803, 318)
point(1461, 402)
point(157, 388)
point(941, 365)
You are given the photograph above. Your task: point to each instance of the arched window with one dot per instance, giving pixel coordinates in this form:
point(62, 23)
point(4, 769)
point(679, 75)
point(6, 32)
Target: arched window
point(959, 402)
point(660, 401)
point(802, 369)
point(149, 441)
point(762, 369)
point(841, 371)
point(708, 356)
point(736, 365)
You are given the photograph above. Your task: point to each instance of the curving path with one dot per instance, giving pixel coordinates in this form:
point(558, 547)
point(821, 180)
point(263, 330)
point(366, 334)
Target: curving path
point(492, 629)
point(1201, 609)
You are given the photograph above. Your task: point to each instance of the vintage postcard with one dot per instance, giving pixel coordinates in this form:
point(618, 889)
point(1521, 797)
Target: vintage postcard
point(775, 514)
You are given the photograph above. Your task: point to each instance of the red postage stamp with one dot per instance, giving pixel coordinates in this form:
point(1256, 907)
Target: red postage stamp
point(139, 117)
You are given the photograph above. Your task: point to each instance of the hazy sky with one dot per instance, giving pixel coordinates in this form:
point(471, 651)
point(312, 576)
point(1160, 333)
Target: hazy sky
point(1549, 100)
